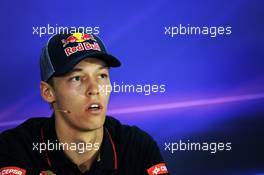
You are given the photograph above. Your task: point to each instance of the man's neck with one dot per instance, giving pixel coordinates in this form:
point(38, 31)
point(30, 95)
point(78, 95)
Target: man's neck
point(82, 157)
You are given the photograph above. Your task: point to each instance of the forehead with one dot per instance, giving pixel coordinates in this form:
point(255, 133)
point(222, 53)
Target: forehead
point(87, 66)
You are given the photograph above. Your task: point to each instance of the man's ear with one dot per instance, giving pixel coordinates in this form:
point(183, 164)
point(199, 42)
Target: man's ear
point(47, 92)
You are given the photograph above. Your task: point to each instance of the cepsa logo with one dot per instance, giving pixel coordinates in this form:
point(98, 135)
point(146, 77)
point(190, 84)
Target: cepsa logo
point(80, 38)
point(158, 169)
point(12, 170)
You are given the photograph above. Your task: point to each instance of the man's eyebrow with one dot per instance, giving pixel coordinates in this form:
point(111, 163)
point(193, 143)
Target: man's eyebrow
point(80, 69)
point(104, 67)
point(74, 70)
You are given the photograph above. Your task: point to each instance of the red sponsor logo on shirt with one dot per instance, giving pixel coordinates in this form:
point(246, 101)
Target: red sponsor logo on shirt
point(12, 170)
point(158, 169)
point(48, 172)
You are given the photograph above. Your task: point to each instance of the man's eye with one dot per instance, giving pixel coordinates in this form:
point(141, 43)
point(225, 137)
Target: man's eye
point(76, 78)
point(102, 76)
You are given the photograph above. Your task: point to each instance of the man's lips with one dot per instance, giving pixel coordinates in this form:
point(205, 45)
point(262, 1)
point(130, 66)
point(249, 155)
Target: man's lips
point(94, 107)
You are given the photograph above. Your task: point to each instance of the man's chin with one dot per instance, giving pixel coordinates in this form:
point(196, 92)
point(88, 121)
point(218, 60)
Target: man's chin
point(90, 128)
point(92, 125)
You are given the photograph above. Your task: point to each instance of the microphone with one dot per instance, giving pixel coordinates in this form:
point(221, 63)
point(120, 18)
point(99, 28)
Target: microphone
point(65, 111)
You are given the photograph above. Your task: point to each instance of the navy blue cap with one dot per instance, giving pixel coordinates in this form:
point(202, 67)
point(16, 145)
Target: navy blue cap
point(63, 51)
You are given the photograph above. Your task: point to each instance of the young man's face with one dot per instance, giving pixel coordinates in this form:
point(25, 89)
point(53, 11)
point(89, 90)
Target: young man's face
point(78, 92)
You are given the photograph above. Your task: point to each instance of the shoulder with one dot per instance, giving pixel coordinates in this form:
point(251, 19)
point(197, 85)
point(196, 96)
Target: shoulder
point(26, 129)
point(135, 148)
point(15, 142)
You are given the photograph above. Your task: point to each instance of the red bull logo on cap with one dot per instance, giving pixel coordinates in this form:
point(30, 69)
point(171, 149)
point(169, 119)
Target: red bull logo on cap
point(77, 38)
point(81, 46)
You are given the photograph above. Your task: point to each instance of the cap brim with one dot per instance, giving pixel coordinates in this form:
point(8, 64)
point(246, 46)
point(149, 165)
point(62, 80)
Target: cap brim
point(110, 60)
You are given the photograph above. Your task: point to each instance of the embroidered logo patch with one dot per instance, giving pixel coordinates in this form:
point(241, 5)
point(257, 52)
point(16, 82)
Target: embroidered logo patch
point(81, 47)
point(77, 38)
point(12, 170)
point(158, 169)
point(48, 172)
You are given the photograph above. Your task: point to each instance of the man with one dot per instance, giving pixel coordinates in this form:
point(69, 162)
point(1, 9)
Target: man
point(79, 138)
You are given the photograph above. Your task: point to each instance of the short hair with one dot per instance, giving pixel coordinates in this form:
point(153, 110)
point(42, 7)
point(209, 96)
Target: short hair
point(50, 82)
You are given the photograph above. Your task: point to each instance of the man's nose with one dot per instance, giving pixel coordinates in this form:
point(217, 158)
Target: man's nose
point(92, 89)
